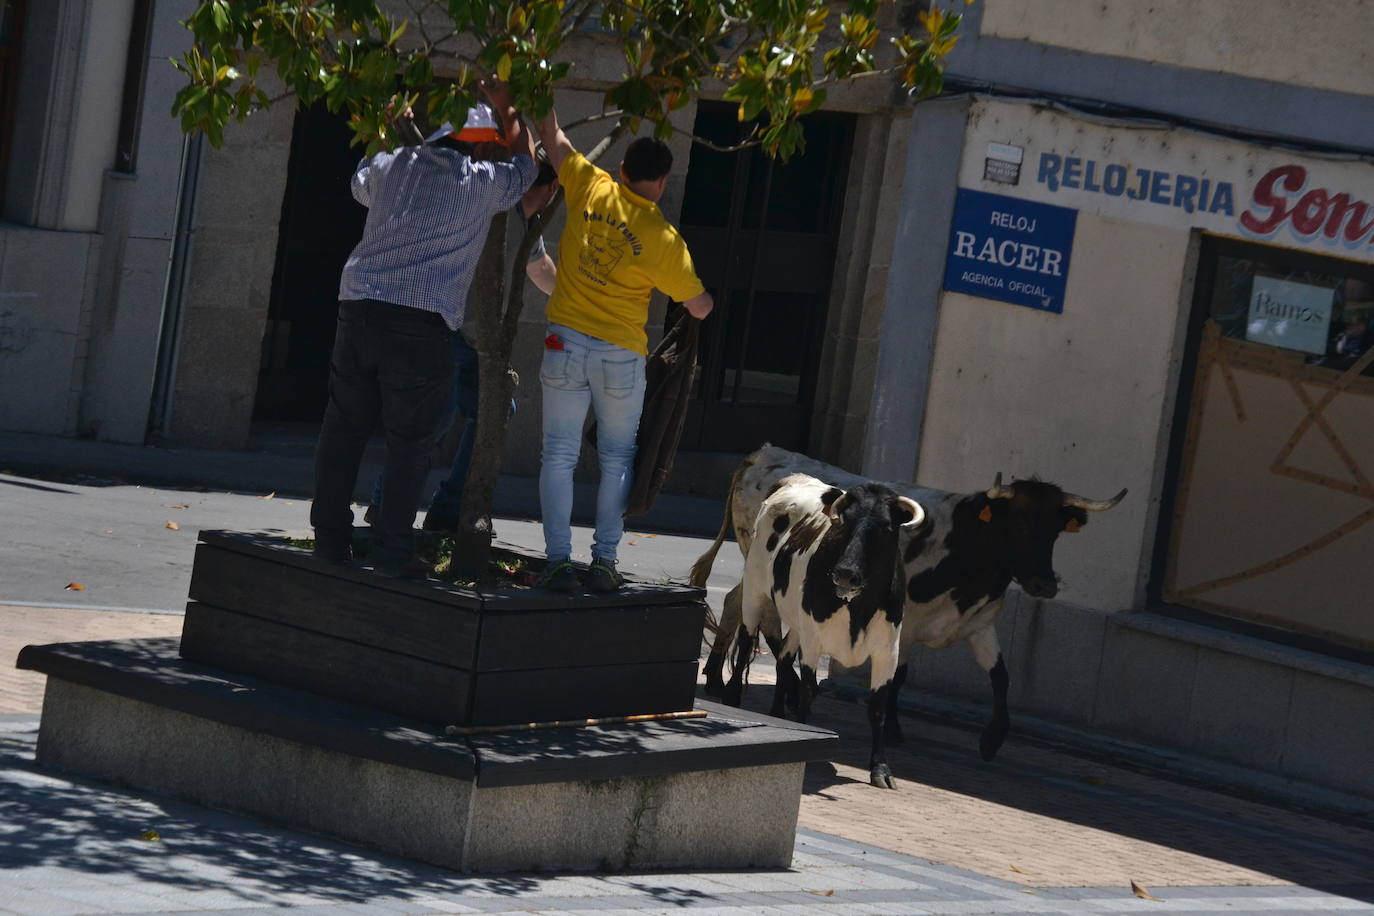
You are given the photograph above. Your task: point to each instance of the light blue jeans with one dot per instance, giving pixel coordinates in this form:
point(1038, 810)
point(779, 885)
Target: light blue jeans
point(609, 379)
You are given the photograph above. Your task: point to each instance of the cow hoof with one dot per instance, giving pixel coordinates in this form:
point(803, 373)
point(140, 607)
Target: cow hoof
point(713, 689)
point(881, 777)
point(730, 696)
point(990, 743)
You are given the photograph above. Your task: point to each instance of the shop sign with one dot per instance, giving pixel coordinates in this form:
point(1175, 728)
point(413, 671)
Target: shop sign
point(1296, 316)
point(1285, 203)
point(1175, 178)
point(1010, 249)
point(1003, 164)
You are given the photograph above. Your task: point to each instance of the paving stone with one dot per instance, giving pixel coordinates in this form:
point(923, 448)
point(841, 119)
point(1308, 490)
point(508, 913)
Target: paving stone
point(108, 899)
point(944, 842)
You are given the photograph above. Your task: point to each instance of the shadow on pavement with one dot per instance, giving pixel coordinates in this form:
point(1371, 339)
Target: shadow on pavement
point(98, 831)
point(1304, 849)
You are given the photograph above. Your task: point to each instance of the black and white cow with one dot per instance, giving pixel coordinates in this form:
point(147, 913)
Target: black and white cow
point(827, 562)
point(957, 567)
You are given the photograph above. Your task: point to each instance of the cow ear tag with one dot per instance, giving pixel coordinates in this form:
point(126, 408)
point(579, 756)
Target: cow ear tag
point(986, 514)
point(1072, 526)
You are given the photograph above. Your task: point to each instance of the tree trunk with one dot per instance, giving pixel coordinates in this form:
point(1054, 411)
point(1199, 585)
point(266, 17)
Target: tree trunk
point(485, 330)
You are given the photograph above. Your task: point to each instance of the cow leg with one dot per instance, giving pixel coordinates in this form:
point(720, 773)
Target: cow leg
point(988, 653)
point(787, 685)
point(882, 672)
point(892, 726)
point(744, 652)
point(808, 690)
point(785, 693)
point(730, 617)
point(878, 771)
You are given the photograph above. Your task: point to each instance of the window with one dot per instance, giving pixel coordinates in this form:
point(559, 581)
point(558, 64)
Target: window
point(1318, 310)
point(11, 34)
point(1268, 510)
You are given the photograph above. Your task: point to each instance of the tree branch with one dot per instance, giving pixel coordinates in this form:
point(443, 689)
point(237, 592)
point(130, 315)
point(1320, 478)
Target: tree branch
point(606, 143)
point(590, 119)
point(744, 144)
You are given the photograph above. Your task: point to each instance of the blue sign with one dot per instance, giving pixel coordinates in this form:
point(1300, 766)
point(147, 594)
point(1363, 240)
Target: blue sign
point(1010, 249)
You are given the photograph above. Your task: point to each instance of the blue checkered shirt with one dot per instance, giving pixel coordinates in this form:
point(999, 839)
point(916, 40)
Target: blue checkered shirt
point(428, 212)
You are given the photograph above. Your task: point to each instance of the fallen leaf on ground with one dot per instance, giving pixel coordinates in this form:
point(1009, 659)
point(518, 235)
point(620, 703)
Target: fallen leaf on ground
point(152, 836)
point(174, 526)
point(1141, 892)
point(269, 495)
point(632, 542)
point(1018, 871)
point(74, 587)
point(822, 893)
point(175, 506)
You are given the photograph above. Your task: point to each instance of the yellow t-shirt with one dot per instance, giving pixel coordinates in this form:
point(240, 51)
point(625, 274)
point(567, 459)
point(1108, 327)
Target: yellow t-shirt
point(616, 248)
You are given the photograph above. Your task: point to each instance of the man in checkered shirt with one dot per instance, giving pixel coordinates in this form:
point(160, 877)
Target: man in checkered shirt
point(401, 298)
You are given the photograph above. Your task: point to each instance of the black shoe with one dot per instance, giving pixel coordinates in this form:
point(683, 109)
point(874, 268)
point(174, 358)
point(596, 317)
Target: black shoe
point(559, 577)
point(440, 522)
point(602, 577)
point(414, 568)
point(338, 555)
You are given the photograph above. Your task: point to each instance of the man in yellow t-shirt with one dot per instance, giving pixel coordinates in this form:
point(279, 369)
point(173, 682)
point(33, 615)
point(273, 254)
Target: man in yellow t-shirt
point(616, 248)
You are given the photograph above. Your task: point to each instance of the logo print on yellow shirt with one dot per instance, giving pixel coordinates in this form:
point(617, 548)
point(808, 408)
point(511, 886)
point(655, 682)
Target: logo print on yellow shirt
point(600, 253)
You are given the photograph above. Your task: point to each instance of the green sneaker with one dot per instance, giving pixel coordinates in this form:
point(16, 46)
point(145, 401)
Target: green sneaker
point(602, 577)
point(559, 577)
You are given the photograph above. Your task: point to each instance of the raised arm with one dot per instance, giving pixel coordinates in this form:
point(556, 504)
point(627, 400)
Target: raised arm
point(517, 137)
point(556, 143)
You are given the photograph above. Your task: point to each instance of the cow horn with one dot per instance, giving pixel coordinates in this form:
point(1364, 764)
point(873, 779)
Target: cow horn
point(997, 491)
point(918, 512)
point(837, 506)
point(1093, 505)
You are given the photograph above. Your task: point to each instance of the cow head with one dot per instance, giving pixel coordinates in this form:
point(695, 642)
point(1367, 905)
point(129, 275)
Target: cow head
point(1027, 518)
point(865, 521)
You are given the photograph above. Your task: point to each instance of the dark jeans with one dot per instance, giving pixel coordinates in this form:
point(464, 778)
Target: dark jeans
point(448, 498)
point(394, 364)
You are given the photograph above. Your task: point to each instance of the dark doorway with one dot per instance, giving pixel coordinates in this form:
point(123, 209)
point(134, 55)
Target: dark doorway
point(320, 224)
point(763, 235)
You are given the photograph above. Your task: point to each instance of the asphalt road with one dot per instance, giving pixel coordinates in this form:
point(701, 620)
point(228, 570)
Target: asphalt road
point(117, 541)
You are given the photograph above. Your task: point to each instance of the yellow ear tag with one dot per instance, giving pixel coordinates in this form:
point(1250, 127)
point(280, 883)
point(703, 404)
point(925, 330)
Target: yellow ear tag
point(1072, 526)
point(986, 514)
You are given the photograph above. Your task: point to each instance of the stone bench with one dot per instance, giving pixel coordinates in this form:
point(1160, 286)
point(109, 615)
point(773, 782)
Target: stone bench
point(721, 791)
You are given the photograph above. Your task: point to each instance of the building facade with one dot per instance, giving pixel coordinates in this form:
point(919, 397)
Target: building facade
point(1137, 250)
point(1129, 247)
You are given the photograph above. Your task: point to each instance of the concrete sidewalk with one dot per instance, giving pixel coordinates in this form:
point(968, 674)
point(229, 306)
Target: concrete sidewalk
point(1038, 831)
point(287, 469)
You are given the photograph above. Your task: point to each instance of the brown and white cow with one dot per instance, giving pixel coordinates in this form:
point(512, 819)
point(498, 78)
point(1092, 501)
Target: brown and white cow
point(957, 566)
point(826, 561)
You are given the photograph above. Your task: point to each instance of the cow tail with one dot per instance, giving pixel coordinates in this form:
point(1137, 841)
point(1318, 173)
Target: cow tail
point(701, 569)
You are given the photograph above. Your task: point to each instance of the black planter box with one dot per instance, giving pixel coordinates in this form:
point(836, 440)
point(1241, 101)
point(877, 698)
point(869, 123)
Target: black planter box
point(435, 652)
